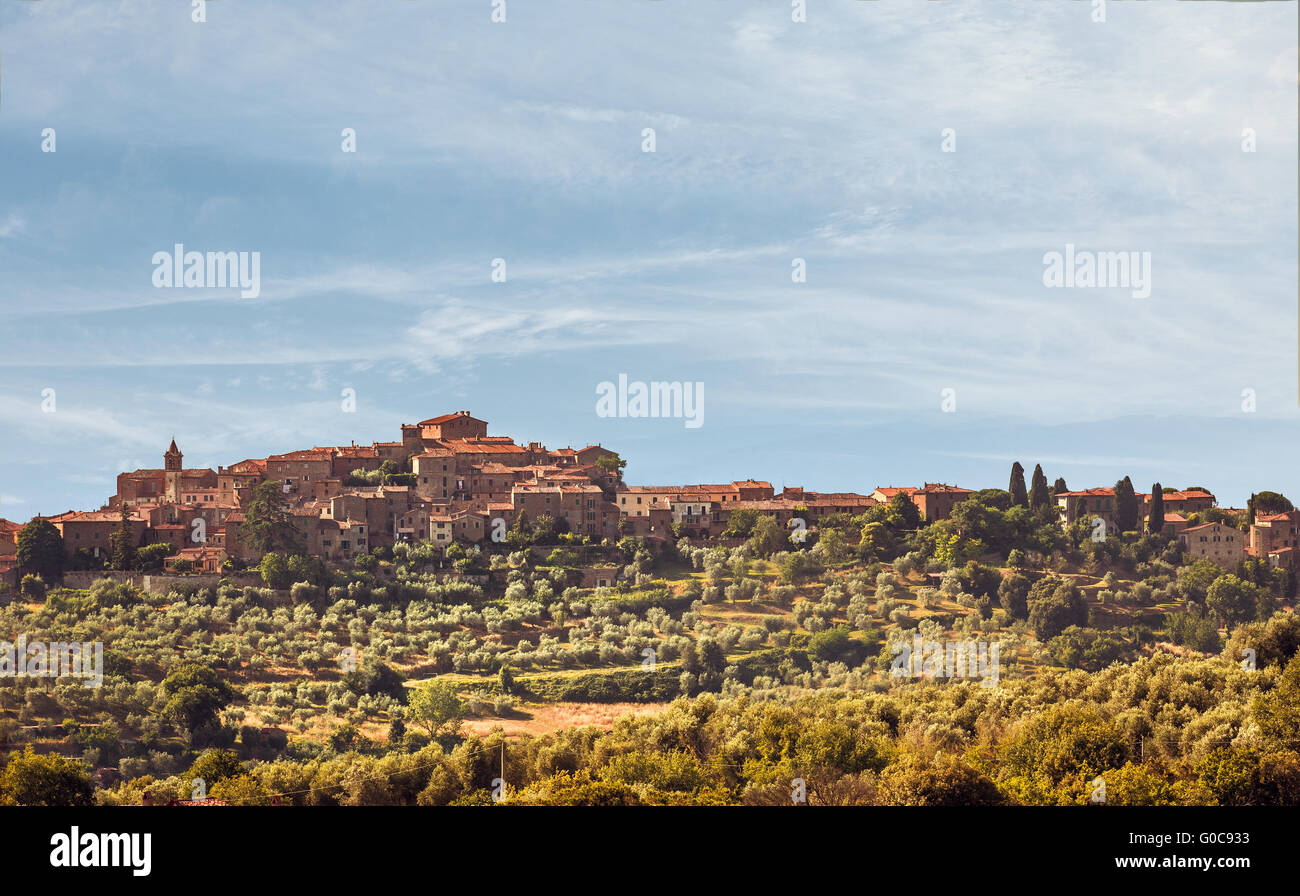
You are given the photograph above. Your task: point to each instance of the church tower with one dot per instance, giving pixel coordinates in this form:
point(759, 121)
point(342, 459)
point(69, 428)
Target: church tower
point(172, 473)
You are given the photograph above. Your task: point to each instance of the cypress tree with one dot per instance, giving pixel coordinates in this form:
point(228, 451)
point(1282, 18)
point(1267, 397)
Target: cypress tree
point(1059, 486)
point(123, 544)
point(1156, 518)
point(1017, 487)
point(1038, 494)
point(1126, 506)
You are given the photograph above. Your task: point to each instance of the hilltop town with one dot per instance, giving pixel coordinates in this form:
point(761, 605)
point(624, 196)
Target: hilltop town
point(446, 480)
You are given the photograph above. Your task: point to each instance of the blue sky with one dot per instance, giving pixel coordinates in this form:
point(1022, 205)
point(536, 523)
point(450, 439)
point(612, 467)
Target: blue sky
point(774, 140)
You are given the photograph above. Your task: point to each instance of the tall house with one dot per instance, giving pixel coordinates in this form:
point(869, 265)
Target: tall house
point(459, 425)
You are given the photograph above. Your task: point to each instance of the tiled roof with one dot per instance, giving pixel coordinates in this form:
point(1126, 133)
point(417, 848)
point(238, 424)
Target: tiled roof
point(1187, 496)
point(304, 454)
point(932, 488)
point(458, 415)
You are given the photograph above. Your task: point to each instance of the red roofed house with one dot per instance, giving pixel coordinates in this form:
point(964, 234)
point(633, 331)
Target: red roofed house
point(1187, 502)
point(1276, 537)
point(935, 500)
point(1096, 502)
point(298, 469)
point(93, 530)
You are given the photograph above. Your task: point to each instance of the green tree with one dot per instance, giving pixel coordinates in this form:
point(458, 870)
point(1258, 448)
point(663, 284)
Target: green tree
point(213, 766)
point(979, 580)
point(831, 547)
point(1013, 595)
point(520, 533)
point(942, 781)
point(375, 678)
point(1127, 508)
point(1019, 498)
point(902, 514)
point(1251, 775)
point(123, 543)
point(1059, 486)
point(831, 644)
point(1055, 604)
point(151, 556)
point(1265, 503)
point(767, 537)
point(1274, 641)
point(1063, 742)
point(1278, 711)
point(613, 464)
point(240, 790)
point(274, 568)
point(40, 549)
point(1156, 517)
point(1195, 579)
point(304, 568)
point(1039, 496)
point(195, 695)
point(32, 587)
point(436, 707)
point(268, 525)
point(741, 523)
point(45, 780)
point(1233, 600)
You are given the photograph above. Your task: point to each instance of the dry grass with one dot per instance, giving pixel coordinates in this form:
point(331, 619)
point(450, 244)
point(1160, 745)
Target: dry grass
point(541, 718)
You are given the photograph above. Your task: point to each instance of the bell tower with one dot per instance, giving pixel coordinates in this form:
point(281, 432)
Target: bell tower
point(172, 473)
point(172, 459)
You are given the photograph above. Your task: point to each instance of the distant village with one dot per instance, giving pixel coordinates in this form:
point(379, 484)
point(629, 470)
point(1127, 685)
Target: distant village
point(456, 480)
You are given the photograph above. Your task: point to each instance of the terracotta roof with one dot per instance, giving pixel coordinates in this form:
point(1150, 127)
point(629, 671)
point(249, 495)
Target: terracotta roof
point(1206, 526)
point(366, 451)
point(304, 454)
point(1185, 496)
point(458, 415)
point(1286, 516)
point(836, 498)
point(247, 467)
point(766, 504)
point(1097, 492)
point(483, 446)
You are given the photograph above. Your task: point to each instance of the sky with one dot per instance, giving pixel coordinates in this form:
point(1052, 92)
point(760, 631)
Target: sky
point(921, 159)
